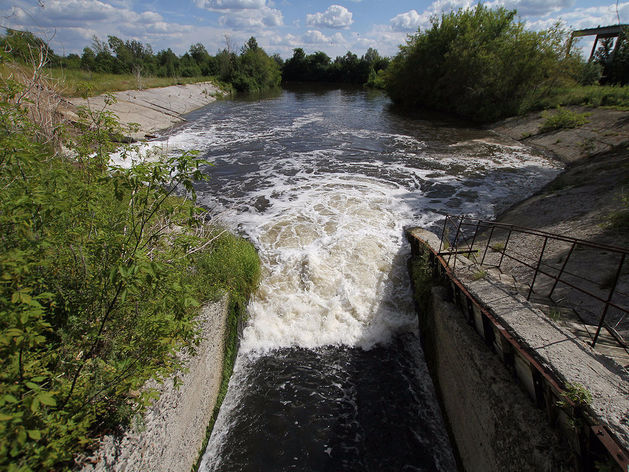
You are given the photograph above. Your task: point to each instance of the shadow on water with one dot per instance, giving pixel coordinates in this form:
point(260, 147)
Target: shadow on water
point(338, 408)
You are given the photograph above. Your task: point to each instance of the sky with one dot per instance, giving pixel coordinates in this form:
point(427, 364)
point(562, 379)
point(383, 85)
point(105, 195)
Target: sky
point(334, 27)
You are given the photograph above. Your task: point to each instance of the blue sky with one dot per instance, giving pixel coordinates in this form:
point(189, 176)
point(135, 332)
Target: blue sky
point(279, 25)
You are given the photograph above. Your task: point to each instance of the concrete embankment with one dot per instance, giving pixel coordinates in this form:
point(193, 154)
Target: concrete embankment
point(170, 435)
point(489, 349)
point(152, 109)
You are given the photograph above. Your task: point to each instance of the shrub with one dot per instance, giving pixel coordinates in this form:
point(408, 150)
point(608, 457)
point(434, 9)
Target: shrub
point(477, 63)
point(562, 119)
point(102, 271)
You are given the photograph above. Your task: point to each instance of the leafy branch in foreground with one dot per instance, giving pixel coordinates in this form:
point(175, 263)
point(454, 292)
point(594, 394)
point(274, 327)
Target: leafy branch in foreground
point(101, 273)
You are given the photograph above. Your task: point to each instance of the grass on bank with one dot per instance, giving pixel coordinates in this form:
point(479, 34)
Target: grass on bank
point(562, 118)
point(77, 83)
point(608, 96)
point(102, 272)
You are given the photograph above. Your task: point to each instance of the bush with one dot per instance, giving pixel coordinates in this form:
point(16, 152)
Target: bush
point(102, 271)
point(562, 119)
point(477, 63)
point(590, 73)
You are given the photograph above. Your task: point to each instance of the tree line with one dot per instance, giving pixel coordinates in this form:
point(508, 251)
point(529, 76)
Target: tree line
point(479, 63)
point(248, 69)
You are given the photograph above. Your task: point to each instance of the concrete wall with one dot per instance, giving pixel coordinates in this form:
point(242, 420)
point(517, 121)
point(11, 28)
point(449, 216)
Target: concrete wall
point(152, 109)
point(502, 369)
point(170, 435)
point(495, 425)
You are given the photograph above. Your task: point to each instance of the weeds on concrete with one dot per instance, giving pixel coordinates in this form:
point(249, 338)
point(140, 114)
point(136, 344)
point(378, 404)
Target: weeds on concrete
point(554, 314)
point(498, 247)
point(576, 394)
point(619, 219)
point(562, 119)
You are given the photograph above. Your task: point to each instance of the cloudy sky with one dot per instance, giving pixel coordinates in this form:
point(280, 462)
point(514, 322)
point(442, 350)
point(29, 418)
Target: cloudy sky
point(279, 25)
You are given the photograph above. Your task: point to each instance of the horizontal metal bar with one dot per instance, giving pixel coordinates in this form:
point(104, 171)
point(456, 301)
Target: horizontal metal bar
point(461, 251)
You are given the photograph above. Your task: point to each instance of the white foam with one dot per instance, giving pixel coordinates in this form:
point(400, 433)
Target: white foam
point(328, 252)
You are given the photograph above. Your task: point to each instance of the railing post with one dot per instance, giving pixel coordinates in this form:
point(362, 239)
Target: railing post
point(561, 270)
point(504, 249)
point(456, 238)
point(609, 298)
point(539, 262)
point(474, 238)
point(443, 232)
point(491, 233)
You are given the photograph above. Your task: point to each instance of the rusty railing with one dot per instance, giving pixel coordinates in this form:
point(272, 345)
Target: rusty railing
point(589, 278)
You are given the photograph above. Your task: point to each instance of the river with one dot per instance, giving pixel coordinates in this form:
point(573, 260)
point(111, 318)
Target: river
point(330, 375)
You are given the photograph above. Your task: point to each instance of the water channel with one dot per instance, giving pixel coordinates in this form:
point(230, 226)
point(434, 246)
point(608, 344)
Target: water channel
point(330, 374)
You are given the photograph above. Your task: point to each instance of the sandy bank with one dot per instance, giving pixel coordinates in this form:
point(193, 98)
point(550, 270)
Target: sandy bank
point(153, 109)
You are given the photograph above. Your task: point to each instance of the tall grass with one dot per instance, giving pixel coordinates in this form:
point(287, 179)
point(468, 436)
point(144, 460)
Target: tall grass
point(608, 96)
point(76, 83)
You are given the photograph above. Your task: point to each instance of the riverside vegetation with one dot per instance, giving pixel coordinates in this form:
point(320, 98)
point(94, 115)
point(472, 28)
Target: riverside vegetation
point(102, 272)
point(482, 64)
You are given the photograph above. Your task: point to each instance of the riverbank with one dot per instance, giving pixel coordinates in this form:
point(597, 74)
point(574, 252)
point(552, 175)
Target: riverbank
point(153, 109)
point(584, 201)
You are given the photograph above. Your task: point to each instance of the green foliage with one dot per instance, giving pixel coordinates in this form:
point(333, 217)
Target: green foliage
point(102, 271)
point(576, 394)
point(24, 46)
point(589, 73)
point(593, 95)
point(478, 63)
point(562, 118)
point(619, 219)
point(254, 70)
point(613, 58)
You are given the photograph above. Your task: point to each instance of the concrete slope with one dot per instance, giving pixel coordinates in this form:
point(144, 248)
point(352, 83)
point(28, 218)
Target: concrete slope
point(170, 435)
point(153, 109)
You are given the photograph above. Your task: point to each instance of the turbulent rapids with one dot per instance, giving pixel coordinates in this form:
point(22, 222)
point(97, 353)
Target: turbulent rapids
point(330, 374)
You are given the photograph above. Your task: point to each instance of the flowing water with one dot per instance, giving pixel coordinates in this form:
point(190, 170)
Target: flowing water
point(330, 374)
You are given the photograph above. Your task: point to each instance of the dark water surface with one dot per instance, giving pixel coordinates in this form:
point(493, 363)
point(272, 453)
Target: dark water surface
point(330, 375)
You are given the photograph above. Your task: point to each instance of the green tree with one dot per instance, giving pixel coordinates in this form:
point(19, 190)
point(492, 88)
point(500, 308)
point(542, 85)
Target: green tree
point(24, 46)
point(255, 70)
point(478, 63)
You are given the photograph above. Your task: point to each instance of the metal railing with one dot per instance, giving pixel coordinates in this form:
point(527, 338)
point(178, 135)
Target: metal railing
point(588, 277)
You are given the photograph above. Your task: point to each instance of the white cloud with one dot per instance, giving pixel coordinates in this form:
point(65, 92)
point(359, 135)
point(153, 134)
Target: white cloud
point(266, 16)
point(408, 21)
point(230, 4)
point(411, 20)
point(533, 7)
point(581, 18)
point(69, 25)
point(335, 16)
point(317, 37)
